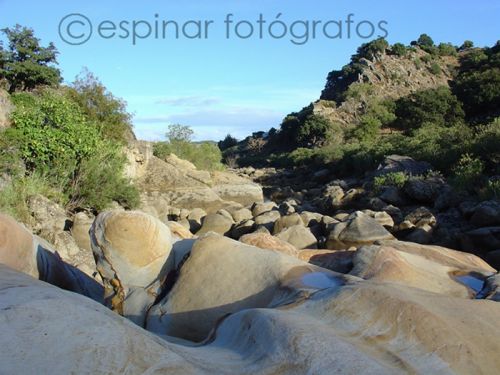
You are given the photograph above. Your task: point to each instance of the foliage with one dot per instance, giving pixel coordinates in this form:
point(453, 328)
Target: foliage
point(467, 173)
point(25, 64)
point(433, 106)
point(468, 44)
point(179, 133)
point(478, 82)
point(14, 197)
point(371, 50)
point(397, 179)
point(435, 69)
point(447, 49)
point(101, 107)
point(491, 190)
point(315, 132)
point(399, 49)
point(204, 155)
point(54, 139)
point(425, 41)
point(227, 142)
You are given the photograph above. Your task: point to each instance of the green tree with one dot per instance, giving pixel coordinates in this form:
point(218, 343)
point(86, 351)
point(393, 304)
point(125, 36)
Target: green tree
point(399, 49)
point(101, 107)
point(227, 142)
point(25, 64)
point(425, 41)
point(315, 132)
point(179, 133)
point(433, 106)
point(468, 44)
point(372, 50)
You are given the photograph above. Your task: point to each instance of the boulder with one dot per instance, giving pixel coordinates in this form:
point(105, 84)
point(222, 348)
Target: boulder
point(48, 217)
point(482, 240)
point(299, 236)
point(216, 223)
point(231, 187)
point(334, 260)
point(80, 230)
point(241, 215)
point(266, 241)
point(397, 163)
point(359, 229)
point(132, 252)
point(179, 232)
point(222, 277)
point(432, 268)
point(286, 222)
point(267, 219)
point(424, 191)
point(486, 214)
point(243, 228)
point(260, 208)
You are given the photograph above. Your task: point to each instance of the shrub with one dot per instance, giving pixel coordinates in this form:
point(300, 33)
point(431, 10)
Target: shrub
point(315, 132)
point(468, 44)
point(227, 142)
point(55, 140)
point(432, 106)
point(425, 41)
point(491, 190)
point(397, 179)
point(101, 107)
point(15, 196)
point(418, 63)
point(447, 49)
point(204, 155)
point(372, 49)
point(468, 173)
point(399, 49)
point(435, 69)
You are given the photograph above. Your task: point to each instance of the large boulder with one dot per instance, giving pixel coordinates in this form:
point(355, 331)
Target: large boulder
point(397, 163)
point(266, 241)
point(6, 108)
point(431, 268)
point(221, 277)
point(231, 187)
point(216, 223)
point(132, 251)
point(358, 230)
point(486, 214)
point(299, 236)
point(286, 222)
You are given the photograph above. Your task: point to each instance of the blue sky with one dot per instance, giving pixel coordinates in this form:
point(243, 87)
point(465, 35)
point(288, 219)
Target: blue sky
point(219, 85)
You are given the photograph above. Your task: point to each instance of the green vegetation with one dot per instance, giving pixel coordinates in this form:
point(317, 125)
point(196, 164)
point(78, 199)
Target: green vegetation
point(25, 64)
point(468, 173)
point(399, 49)
point(371, 50)
point(227, 142)
point(397, 179)
point(435, 69)
point(204, 155)
point(101, 107)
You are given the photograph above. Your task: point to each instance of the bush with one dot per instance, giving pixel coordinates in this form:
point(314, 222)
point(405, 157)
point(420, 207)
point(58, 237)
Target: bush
point(433, 106)
point(315, 132)
point(399, 49)
point(227, 142)
point(101, 107)
point(204, 155)
point(425, 41)
point(372, 49)
point(435, 69)
point(15, 196)
point(447, 49)
point(54, 139)
point(397, 179)
point(468, 173)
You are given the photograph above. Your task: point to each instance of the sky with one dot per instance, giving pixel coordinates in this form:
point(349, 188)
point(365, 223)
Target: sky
point(218, 76)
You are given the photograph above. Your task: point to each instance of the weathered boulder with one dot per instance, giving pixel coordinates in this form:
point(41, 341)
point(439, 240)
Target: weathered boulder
point(334, 260)
point(359, 229)
point(221, 277)
point(267, 219)
point(260, 208)
point(266, 241)
point(216, 223)
point(48, 217)
point(397, 163)
point(286, 222)
point(299, 236)
point(80, 230)
point(486, 214)
point(132, 251)
point(231, 187)
point(424, 191)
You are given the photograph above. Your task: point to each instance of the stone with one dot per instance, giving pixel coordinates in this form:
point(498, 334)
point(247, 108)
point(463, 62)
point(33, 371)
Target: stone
point(241, 215)
point(243, 228)
point(397, 163)
point(334, 260)
point(260, 208)
point(486, 214)
point(195, 218)
point(221, 277)
point(392, 195)
point(481, 241)
point(132, 252)
point(48, 217)
point(311, 218)
point(231, 187)
point(80, 230)
point(360, 229)
point(423, 191)
point(179, 232)
point(421, 217)
point(383, 218)
point(266, 241)
point(420, 235)
point(267, 219)
point(299, 236)
point(431, 268)
point(286, 222)
point(216, 223)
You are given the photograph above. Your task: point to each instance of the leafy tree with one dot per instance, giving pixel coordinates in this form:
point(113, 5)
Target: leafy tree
point(179, 133)
point(227, 142)
point(101, 107)
point(372, 50)
point(447, 49)
point(399, 49)
point(425, 41)
point(315, 132)
point(433, 106)
point(478, 83)
point(25, 64)
point(468, 44)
